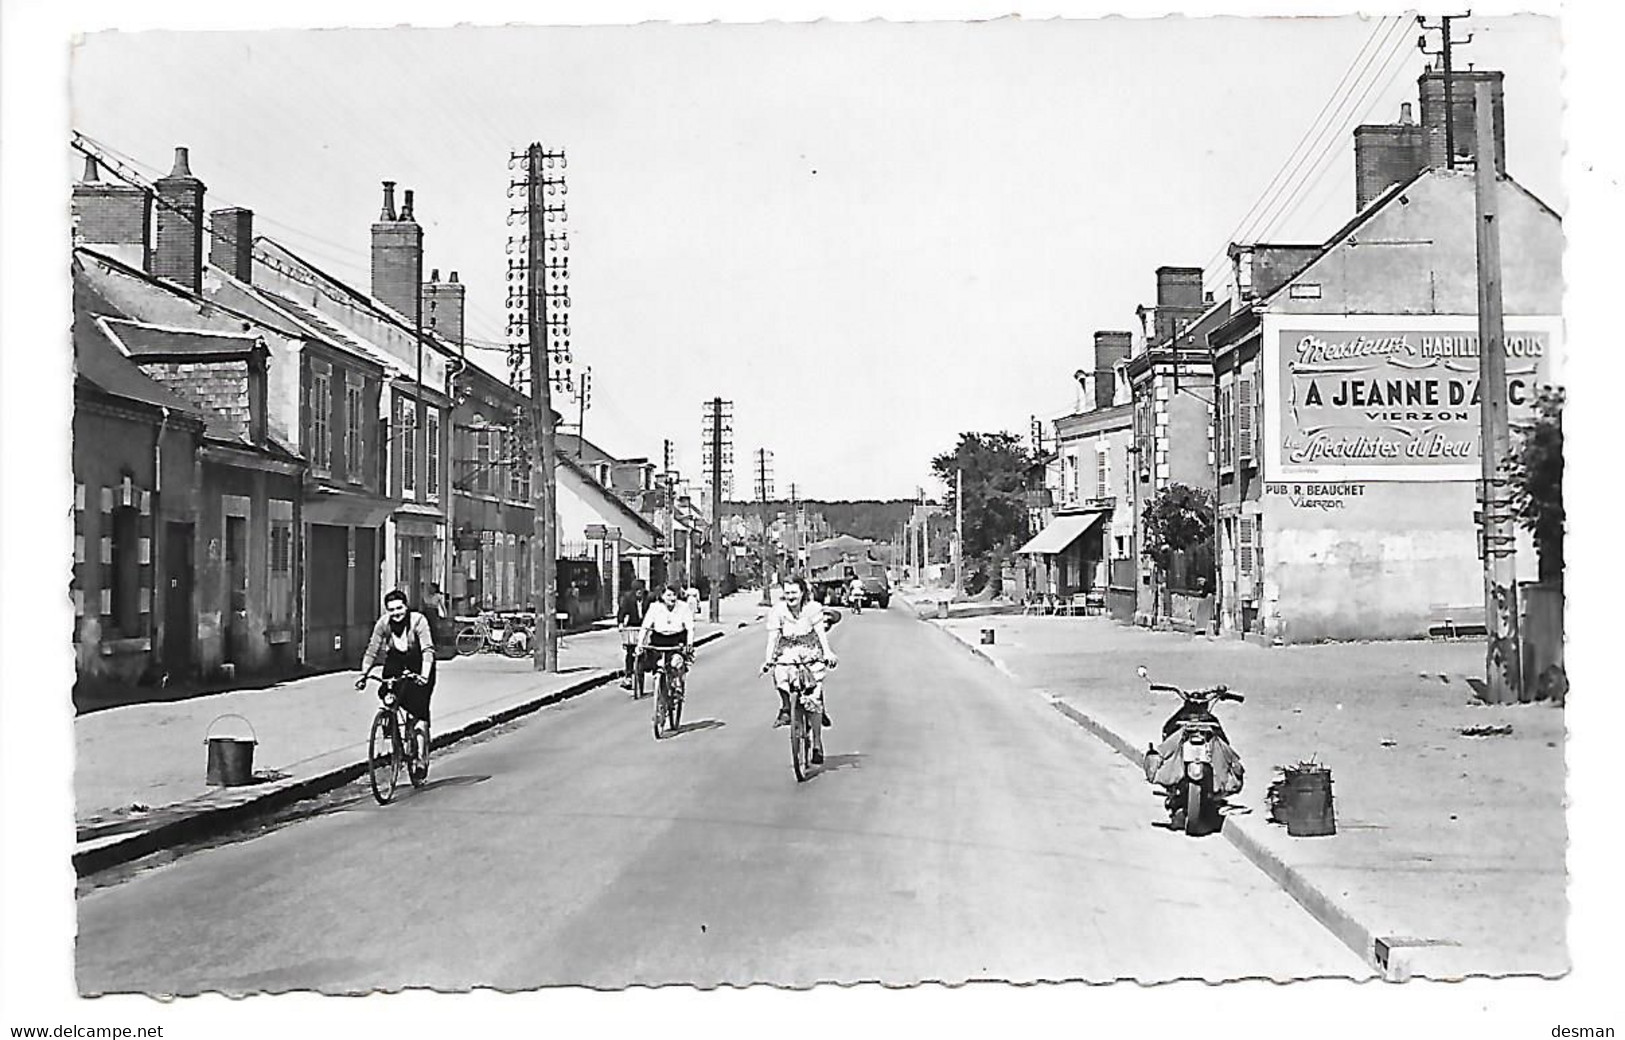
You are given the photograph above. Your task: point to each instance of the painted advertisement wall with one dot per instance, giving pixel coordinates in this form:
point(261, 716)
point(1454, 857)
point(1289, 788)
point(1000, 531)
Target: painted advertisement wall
point(1390, 398)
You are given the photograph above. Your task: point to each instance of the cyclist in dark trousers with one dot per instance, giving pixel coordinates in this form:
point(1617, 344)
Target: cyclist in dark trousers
point(629, 618)
point(403, 641)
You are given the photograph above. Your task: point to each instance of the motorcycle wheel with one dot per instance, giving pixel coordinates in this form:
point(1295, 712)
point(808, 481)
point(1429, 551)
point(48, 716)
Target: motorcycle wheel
point(1193, 808)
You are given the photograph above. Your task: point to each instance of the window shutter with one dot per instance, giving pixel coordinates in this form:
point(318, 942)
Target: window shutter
point(1102, 485)
point(1244, 419)
point(1244, 546)
point(1224, 427)
point(1258, 414)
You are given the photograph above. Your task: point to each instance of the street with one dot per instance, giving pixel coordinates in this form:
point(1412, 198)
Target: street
point(960, 829)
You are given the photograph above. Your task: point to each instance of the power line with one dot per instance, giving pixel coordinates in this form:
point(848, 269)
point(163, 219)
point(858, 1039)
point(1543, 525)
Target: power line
point(1265, 195)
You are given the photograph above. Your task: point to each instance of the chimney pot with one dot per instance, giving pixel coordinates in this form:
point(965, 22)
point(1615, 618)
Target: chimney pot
point(91, 176)
point(406, 206)
point(434, 274)
point(454, 278)
point(182, 167)
point(389, 201)
point(1405, 114)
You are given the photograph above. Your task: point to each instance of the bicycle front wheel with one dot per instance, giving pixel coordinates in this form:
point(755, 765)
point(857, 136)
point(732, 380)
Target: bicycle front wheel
point(662, 698)
point(675, 709)
point(470, 641)
point(799, 739)
point(383, 757)
point(516, 643)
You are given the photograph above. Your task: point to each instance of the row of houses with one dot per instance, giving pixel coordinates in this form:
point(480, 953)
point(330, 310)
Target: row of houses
point(261, 450)
point(1327, 405)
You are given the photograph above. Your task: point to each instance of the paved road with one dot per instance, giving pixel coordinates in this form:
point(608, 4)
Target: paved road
point(962, 829)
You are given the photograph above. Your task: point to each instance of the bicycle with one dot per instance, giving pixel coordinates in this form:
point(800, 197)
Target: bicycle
point(806, 720)
point(489, 634)
point(387, 749)
point(668, 694)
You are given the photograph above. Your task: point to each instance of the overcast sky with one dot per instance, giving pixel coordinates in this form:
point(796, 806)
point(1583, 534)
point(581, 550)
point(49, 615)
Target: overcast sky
point(869, 237)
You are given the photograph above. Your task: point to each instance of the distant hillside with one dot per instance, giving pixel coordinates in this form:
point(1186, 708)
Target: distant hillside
point(874, 520)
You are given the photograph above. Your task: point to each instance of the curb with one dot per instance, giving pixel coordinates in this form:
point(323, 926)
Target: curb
point(1362, 940)
point(218, 819)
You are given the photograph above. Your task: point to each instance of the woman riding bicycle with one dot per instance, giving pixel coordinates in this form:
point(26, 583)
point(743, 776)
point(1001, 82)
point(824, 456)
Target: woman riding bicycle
point(797, 633)
point(403, 638)
point(666, 627)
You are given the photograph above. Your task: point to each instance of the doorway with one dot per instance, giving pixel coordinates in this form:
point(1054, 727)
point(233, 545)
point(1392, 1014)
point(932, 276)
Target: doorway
point(176, 652)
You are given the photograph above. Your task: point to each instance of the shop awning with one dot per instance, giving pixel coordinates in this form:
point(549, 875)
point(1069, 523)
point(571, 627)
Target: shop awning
point(1061, 532)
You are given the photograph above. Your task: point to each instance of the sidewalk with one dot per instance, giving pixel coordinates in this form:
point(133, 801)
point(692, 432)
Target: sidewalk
point(139, 770)
point(1449, 854)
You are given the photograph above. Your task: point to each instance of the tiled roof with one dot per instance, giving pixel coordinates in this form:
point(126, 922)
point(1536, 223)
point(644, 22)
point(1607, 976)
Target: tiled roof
point(103, 366)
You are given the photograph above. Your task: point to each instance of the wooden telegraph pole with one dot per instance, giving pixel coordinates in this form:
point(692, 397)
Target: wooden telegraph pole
point(544, 537)
point(715, 412)
point(1503, 668)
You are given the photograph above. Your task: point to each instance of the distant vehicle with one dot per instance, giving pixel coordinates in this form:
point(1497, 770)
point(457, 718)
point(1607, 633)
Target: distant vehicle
point(832, 564)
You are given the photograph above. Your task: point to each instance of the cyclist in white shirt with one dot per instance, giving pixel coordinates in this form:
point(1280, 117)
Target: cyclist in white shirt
point(668, 626)
point(797, 632)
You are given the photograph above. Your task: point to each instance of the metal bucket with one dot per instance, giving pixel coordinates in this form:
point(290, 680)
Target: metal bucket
point(231, 759)
point(1306, 803)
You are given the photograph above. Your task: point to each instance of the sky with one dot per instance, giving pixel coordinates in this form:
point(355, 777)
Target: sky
point(869, 237)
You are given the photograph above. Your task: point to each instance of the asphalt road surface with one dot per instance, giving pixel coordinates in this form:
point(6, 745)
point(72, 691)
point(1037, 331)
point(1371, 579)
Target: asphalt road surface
point(960, 829)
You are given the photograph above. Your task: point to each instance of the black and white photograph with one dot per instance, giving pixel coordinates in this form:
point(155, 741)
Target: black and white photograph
point(968, 504)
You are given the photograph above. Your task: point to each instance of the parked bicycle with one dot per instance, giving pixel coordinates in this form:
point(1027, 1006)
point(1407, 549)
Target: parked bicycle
point(394, 742)
point(491, 633)
point(668, 691)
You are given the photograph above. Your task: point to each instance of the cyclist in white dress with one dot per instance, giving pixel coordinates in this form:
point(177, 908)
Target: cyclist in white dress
point(797, 632)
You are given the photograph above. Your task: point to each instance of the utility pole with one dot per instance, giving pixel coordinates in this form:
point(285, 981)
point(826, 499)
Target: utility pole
point(716, 412)
point(668, 498)
point(1503, 667)
point(959, 531)
point(764, 489)
point(1446, 44)
point(584, 393)
point(795, 532)
point(540, 328)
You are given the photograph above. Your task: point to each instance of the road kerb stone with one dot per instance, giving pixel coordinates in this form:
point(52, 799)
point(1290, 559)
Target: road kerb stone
point(232, 808)
point(1335, 919)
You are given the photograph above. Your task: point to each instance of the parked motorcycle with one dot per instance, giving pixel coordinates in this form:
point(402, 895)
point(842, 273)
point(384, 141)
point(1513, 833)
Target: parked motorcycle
point(1195, 767)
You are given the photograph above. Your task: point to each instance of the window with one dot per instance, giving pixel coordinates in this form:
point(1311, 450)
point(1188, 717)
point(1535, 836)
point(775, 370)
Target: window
point(432, 452)
point(1070, 480)
point(321, 419)
point(485, 459)
point(280, 591)
point(354, 445)
point(511, 581)
point(123, 557)
point(519, 470)
point(406, 421)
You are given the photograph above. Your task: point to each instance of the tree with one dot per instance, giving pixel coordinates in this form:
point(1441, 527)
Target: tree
point(1178, 520)
point(995, 513)
point(1536, 469)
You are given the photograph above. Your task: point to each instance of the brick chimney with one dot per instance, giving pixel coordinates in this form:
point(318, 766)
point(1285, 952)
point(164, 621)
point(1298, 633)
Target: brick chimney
point(1179, 287)
point(443, 307)
point(397, 256)
point(231, 242)
point(1463, 87)
point(1110, 348)
point(1385, 155)
point(115, 219)
point(178, 256)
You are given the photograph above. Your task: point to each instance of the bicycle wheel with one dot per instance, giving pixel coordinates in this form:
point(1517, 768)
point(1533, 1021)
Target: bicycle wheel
point(418, 770)
point(675, 709)
point(798, 737)
point(660, 706)
point(516, 643)
point(383, 757)
point(470, 641)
